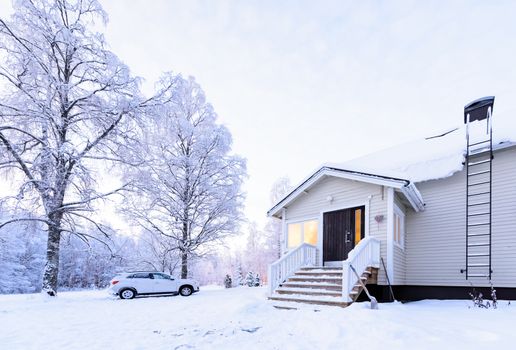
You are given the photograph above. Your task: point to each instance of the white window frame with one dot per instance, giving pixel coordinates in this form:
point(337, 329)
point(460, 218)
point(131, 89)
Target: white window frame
point(401, 214)
point(298, 221)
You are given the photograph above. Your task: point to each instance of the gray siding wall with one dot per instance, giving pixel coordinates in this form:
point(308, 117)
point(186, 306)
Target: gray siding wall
point(345, 193)
point(435, 245)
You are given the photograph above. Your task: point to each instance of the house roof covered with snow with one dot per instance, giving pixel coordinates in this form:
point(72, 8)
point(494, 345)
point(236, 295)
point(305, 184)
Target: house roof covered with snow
point(430, 158)
point(433, 157)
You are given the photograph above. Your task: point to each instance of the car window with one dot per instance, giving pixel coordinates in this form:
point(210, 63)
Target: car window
point(161, 276)
point(140, 275)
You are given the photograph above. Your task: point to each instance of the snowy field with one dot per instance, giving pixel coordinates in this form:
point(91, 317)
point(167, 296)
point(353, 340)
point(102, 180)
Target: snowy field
point(242, 318)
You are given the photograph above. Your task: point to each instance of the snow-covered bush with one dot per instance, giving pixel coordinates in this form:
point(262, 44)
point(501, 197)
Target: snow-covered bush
point(239, 279)
point(478, 299)
point(94, 264)
point(493, 297)
point(249, 279)
point(22, 253)
point(257, 280)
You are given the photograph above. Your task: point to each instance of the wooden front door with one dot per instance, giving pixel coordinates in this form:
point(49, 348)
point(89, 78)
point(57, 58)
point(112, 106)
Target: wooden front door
point(342, 230)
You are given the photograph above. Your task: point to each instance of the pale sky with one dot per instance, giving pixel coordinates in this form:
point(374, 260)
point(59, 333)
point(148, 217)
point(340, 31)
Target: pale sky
point(301, 83)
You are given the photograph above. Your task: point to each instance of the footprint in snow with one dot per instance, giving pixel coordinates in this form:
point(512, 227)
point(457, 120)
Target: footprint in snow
point(250, 330)
point(183, 346)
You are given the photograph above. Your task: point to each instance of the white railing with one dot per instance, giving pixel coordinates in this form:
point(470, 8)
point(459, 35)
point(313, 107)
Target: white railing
point(365, 254)
point(279, 271)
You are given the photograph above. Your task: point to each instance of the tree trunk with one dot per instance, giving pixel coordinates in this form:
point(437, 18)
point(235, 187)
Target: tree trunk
point(184, 253)
point(52, 265)
point(184, 265)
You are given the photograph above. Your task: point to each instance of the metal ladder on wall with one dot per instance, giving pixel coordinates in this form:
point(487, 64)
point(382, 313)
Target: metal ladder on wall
point(479, 178)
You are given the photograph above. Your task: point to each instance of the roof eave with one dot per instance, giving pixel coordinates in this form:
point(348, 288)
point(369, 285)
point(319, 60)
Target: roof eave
point(413, 196)
point(408, 189)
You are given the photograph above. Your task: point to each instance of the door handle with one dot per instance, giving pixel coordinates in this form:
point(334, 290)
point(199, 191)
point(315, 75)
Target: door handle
point(348, 236)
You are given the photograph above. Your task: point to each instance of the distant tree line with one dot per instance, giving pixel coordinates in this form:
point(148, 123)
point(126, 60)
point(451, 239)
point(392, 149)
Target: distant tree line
point(93, 263)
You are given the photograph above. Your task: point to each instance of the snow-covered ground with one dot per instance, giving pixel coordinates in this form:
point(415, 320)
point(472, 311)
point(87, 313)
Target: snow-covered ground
point(242, 318)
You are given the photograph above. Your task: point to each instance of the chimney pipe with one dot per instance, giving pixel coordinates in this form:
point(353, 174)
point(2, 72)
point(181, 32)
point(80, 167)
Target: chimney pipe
point(478, 109)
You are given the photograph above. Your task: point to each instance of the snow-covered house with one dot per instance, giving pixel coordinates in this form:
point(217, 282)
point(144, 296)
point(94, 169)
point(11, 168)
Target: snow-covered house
point(431, 218)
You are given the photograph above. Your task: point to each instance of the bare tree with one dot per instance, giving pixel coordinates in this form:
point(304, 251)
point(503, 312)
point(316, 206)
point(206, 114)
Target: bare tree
point(257, 252)
point(264, 246)
point(66, 102)
point(191, 184)
point(280, 188)
point(157, 252)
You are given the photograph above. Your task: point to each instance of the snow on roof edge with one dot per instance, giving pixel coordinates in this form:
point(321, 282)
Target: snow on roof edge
point(432, 158)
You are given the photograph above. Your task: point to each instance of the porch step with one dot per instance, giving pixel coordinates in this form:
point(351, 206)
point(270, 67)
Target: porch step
point(316, 273)
point(312, 285)
point(321, 300)
point(309, 291)
point(321, 268)
point(326, 279)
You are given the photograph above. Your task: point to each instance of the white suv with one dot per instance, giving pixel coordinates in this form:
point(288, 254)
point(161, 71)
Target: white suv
point(129, 285)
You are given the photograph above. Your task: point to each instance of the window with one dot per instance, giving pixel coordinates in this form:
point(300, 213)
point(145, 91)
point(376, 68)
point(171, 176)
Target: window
point(162, 276)
point(295, 235)
point(399, 227)
point(358, 225)
point(310, 232)
point(299, 232)
point(140, 275)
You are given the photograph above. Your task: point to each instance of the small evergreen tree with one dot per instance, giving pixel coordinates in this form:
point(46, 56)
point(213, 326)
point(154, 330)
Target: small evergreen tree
point(249, 279)
point(228, 283)
point(239, 276)
point(257, 281)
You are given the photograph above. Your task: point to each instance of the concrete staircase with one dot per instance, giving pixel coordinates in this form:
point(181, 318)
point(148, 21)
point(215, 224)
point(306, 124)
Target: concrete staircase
point(318, 286)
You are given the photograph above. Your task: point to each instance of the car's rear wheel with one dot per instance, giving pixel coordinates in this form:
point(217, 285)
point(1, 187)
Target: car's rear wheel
point(127, 294)
point(186, 291)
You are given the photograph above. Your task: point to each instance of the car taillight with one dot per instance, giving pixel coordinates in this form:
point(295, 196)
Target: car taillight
point(114, 282)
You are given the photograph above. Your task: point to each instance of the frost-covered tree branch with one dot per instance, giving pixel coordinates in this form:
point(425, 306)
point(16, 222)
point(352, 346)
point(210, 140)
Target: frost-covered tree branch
point(67, 102)
point(191, 184)
point(17, 220)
